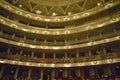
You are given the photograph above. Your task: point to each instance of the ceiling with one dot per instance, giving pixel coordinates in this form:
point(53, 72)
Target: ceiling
point(56, 7)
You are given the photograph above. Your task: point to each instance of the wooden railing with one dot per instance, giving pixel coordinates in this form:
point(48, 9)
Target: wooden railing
point(72, 42)
point(59, 60)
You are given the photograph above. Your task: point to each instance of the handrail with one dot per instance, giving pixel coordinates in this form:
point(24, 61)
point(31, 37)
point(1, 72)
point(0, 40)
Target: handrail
point(105, 21)
point(59, 60)
point(72, 42)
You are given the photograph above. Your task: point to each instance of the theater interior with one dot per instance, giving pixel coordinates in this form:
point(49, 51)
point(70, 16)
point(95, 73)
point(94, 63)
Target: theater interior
point(59, 39)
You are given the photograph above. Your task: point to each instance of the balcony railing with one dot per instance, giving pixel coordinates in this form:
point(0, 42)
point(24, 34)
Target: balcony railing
point(18, 57)
point(72, 42)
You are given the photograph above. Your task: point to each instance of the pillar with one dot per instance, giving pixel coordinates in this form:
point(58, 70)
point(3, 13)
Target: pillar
point(16, 73)
point(113, 70)
point(54, 55)
point(65, 73)
point(45, 41)
point(32, 54)
point(41, 76)
point(77, 55)
point(92, 72)
point(35, 40)
point(21, 52)
point(53, 74)
point(89, 53)
point(8, 51)
point(24, 37)
point(104, 51)
point(96, 71)
point(13, 36)
point(107, 70)
point(43, 56)
point(29, 73)
point(55, 41)
point(2, 70)
point(78, 73)
point(82, 72)
point(100, 34)
point(69, 72)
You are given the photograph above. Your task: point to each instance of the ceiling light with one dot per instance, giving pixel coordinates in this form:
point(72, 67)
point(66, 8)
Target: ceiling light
point(28, 15)
point(98, 4)
point(19, 12)
point(100, 25)
point(108, 5)
point(38, 11)
point(14, 25)
point(37, 18)
point(55, 48)
point(47, 19)
point(45, 32)
point(32, 46)
point(75, 17)
point(8, 7)
point(24, 29)
point(67, 32)
point(86, 14)
point(66, 18)
point(2, 21)
point(20, 5)
point(69, 13)
point(54, 14)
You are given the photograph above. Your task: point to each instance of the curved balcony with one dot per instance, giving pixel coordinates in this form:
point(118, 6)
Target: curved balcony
point(69, 42)
point(41, 47)
point(26, 14)
point(57, 62)
point(89, 26)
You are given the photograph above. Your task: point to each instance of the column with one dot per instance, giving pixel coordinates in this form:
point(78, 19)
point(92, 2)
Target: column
point(16, 73)
point(43, 56)
point(8, 51)
point(82, 72)
point(96, 71)
point(55, 41)
point(56, 72)
point(77, 54)
point(45, 41)
point(107, 70)
point(2, 70)
point(65, 55)
point(24, 37)
point(35, 40)
point(113, 70)
point(32, 54)
point(13, 36)
point(69, 72)
point(54, 55)
point(87, 37)
point(41, 76)
point(92, 73)
point(29, 73)
point(65, 41)
point(88, 53)
point(104, 51)
point(100, 34)
point(78, 73)
point(21, 52)
point(76, 39)
point(53, 74)
point(65, 73)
